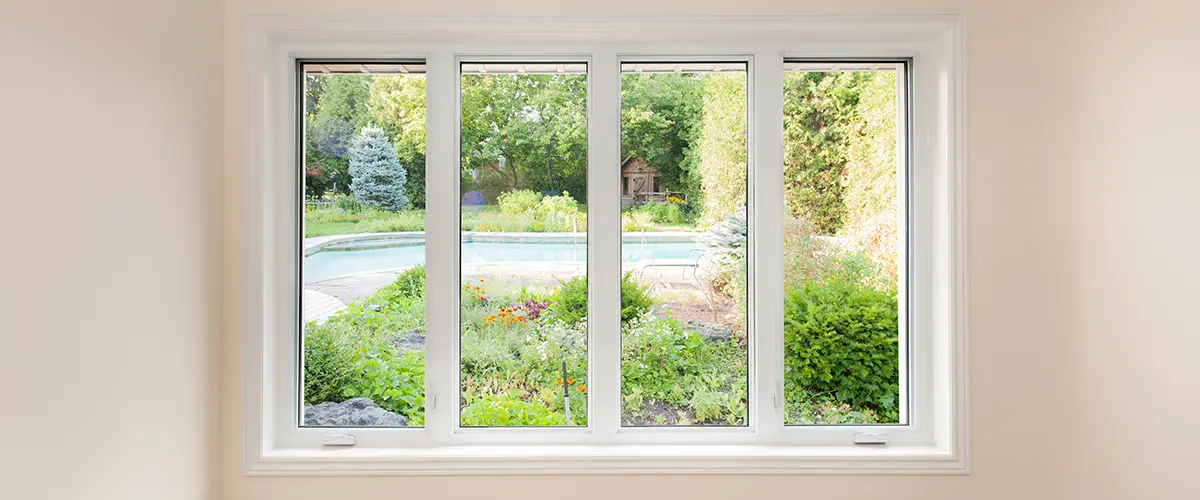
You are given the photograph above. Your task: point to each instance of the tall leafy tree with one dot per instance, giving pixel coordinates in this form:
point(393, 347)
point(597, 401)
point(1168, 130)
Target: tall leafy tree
point(817, 109)
point(529, 131)
point(660, 122)
point(722, 145)
point(397, 105)
point(377, 178)
point(346, 97)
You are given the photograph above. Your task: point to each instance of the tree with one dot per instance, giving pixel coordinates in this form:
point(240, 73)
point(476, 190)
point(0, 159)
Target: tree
point(817, 108)
point(660, 122)
point(397, 104)
point(722, 145)
point(527, 131)
point(345, 97)
point(870, 180)
point(377, 178)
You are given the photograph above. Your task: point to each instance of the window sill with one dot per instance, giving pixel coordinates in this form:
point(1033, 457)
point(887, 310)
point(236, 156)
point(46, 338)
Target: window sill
point(645, 459)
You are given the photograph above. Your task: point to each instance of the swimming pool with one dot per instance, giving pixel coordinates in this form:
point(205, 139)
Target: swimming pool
point(346, 260)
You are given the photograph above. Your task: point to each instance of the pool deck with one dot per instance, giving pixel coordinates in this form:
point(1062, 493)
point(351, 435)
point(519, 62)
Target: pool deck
point(320, 306)
point(325, 297)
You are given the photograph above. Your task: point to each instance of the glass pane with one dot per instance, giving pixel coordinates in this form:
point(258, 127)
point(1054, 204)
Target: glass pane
point(524, 306)
point(684, 239)
point(842, 245)
point(363, 298)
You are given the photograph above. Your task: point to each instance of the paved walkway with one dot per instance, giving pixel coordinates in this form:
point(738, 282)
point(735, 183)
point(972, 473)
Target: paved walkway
point(319, 306)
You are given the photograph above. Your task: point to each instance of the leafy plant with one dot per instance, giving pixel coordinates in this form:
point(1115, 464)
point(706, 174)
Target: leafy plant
point(841, 337)
point(328, 365)
point(519, 202)
point(507, 410)
point(636, 300)
point(348, 204)
point(664, 213)
point(637, 222)
point(570, 299)
point(394, 382)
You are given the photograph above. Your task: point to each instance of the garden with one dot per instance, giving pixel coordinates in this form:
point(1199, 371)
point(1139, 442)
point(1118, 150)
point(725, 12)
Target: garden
point(523, 316)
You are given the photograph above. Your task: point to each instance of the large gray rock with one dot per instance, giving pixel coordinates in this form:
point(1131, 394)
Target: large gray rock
point(414, 340)
point(357, 412)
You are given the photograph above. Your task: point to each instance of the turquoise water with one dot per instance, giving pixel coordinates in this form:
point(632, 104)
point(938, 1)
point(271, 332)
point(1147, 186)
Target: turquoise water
point(329, 264)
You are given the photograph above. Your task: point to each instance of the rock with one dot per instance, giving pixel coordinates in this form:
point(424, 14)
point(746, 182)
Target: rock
point(414, 340)
point(711, 332)
point(357, 412)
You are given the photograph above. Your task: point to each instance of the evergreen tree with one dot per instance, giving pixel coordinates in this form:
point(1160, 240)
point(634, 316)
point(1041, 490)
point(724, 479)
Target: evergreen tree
point(376, 176)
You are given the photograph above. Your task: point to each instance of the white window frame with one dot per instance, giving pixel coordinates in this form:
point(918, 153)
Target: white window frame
point(934, 439)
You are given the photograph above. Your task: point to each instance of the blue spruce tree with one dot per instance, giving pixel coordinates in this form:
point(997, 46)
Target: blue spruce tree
point(376, 176)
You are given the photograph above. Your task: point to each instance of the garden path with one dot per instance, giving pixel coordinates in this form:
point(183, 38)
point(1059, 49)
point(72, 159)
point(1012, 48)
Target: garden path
point(319, 306)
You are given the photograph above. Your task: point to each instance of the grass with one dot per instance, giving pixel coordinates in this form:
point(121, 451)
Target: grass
point(332, 220)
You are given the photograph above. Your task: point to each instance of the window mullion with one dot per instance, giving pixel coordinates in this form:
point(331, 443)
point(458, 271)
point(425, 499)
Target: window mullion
point(766, 233)
point(441, 247)
point(604, 244)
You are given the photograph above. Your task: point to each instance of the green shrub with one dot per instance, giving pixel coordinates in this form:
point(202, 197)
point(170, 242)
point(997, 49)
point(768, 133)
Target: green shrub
point(563, 205)
point(328, 365)
point(663, 213)
point(505, 410)
point(636, 300)
point(570, 300)
point(636, 222)
point(841, 337)
point(348, 204)
point(410, 284)
point(395, 382)
point(519, 202)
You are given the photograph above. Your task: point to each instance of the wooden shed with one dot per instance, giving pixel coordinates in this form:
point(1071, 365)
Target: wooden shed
point(640, 182)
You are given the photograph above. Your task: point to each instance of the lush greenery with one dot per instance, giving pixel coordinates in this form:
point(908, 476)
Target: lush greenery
point(514, 346)
point(523, 348)
point(839, 147)
point(840, 338)
point(356, 352)
point(529, 132)
point(342, 215)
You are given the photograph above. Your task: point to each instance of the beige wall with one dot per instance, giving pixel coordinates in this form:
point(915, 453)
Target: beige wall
point(1083, 200)
point(110, 174)
point(1082, 218)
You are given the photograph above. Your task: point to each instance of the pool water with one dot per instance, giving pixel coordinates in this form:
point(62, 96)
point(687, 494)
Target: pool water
point(324, 265)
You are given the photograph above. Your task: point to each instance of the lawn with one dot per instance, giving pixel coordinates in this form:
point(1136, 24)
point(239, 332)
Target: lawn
point(336, 218)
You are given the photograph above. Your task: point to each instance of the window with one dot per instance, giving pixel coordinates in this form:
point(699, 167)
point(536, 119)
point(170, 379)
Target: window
point(524, 305)
point(843, 233)
point(612, 247)
point(684, 328)
point(363, 271)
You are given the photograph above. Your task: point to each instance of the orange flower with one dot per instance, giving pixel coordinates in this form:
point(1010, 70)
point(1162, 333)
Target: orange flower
point(520, 318)
point(581, 388)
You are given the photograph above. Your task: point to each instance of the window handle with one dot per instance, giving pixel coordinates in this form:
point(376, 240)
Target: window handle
point(340, 440)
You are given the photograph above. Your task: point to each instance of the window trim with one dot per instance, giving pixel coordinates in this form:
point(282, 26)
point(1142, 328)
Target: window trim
point(935, 442)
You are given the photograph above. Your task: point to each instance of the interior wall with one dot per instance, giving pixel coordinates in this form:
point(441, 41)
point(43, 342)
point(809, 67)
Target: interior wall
point(110, 254)
point(1082, 200)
